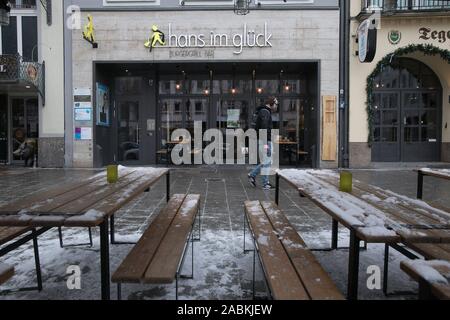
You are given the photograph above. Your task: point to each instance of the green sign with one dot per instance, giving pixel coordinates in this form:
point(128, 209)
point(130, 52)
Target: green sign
point(394, 36)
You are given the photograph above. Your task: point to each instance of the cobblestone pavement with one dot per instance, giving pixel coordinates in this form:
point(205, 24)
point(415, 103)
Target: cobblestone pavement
point(222, 271)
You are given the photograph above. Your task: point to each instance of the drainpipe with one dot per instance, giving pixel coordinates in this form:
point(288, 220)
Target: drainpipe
point(344, 55)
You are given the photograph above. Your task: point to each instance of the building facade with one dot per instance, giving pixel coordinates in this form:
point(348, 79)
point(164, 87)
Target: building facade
point(151, 67)
point(400, 102)
point(31, 82)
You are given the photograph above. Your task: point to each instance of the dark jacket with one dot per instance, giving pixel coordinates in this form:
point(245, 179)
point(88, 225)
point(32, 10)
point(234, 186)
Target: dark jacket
point(264, 121)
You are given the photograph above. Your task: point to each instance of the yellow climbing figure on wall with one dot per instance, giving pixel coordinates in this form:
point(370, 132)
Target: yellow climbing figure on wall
point(157, 37)
point(88, 32)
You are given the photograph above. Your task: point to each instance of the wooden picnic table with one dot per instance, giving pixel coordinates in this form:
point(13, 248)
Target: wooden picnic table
point(372, 215)
point(88, 203)
point(436, 173)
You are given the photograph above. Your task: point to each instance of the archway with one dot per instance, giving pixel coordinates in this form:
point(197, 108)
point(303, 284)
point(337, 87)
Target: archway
point(405, 112)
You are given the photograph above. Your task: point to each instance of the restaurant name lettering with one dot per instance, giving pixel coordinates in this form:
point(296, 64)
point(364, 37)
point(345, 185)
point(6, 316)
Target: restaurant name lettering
point(429, 34)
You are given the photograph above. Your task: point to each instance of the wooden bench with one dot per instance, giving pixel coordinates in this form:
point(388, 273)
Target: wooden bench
point(158, 256)
point(6, 273)
point(433, 277)
point(13, 237)
point(291, 270)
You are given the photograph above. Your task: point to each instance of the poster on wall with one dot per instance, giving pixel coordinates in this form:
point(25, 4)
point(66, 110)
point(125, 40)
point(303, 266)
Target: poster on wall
point(103, 105)
point(83, 114)
point(233, 116)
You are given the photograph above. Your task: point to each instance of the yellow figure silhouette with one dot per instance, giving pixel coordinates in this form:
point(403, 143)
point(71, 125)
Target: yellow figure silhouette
point(88, 32)
point(157, 37)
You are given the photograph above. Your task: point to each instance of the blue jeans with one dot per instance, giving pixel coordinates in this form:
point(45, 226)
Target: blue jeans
point(265, 163)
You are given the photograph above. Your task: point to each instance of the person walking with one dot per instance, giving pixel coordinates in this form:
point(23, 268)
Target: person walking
point(263, 121)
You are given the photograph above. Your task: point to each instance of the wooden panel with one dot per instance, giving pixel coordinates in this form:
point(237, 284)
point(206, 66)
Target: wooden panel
point(281, 276)
point(133, 267)
point(329, 128)
point(440, 291)
point(163, 267)
point(9, 233)
point(317, 282)
point(6, 273)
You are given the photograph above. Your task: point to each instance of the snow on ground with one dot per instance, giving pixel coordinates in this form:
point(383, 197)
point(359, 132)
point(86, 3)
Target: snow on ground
point(221, 269)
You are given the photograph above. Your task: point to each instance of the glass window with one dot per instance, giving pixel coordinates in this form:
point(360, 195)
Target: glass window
point(171, 87)
point(129, 86)
point(171, 118)
point(267, 86)
point(29, 39)
point(232, 87)
point(9, 37)
point(389, 134)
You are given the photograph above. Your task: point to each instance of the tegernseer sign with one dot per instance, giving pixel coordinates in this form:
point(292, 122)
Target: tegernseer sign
point(247, 37)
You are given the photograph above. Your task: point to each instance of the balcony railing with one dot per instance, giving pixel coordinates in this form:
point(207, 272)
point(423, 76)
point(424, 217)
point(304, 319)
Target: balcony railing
point(23, 4)
point(13, 70)
point(404, 5)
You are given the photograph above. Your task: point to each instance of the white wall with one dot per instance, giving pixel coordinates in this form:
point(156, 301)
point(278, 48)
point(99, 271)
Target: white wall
point(51, 50)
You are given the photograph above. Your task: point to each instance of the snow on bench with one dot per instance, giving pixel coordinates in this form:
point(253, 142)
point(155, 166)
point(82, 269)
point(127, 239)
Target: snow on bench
point(433, 276)
point(291, 270)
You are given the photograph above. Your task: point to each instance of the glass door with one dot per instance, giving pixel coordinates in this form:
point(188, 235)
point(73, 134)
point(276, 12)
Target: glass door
point(128, 130)
point(421, 138)
point(24, 122)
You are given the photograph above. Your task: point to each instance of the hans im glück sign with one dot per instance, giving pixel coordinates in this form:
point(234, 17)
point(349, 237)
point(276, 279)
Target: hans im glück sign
point(247, 37)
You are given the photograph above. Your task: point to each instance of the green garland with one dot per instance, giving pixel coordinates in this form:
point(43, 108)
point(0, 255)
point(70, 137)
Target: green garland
point(427, 49)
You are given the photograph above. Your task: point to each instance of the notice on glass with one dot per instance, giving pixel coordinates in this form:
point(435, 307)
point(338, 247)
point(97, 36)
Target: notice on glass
point(233, 116)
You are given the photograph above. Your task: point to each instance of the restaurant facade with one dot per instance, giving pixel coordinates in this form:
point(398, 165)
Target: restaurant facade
point(156, 66)
point(399, 103)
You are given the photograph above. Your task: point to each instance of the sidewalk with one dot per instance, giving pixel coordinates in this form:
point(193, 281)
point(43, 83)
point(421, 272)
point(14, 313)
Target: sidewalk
point(222, 271)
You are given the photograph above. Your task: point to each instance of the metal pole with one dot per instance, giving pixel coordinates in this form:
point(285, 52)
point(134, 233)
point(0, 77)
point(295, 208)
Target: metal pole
point(277, 188)
point(353, 267)
point(420, 185)
point(386, 269)
point(112, 227)
point(37, 261)
point(104, 260)
point(334, 234)
point(168, 186)
point(61, 244)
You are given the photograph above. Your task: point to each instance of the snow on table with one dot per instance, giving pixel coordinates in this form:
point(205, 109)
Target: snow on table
point(350, 210)
point(444, 173)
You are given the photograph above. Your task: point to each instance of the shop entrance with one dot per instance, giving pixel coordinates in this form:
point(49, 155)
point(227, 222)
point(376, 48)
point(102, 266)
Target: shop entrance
point(24, 122)
point(151, 101)
point(408, 113)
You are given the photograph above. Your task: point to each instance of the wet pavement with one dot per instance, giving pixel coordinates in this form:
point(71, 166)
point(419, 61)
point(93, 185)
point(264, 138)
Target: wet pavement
point(221, 269)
